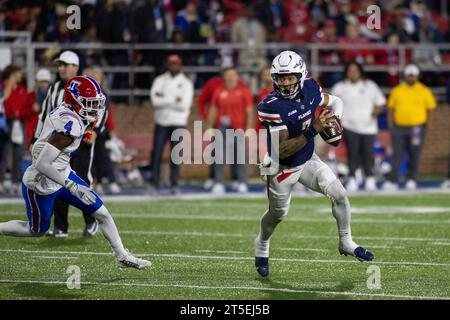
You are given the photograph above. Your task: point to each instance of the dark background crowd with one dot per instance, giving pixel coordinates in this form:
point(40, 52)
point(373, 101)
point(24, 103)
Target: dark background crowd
point(253, 24)
point(418, 22)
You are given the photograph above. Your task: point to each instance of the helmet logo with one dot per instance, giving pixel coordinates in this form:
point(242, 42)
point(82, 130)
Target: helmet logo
point(73, 87)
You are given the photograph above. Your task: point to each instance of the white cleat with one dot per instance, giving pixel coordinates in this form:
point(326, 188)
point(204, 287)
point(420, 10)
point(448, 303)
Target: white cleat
point(411, 185)
point(242, 188)
point(389, 186)
point(208, 184)
point(352, 185)
point(114, 188)
point(218, 189)
point(444, 185)
point(370, 184)
point(130, 261)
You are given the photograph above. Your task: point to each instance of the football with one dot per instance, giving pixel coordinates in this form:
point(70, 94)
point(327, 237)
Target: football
point(333, 135)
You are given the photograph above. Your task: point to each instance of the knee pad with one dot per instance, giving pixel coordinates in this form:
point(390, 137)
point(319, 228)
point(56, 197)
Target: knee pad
point(101, 214)
point(336, 192)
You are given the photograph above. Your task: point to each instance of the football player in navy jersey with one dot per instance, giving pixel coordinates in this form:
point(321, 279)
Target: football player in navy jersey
point(289, 114)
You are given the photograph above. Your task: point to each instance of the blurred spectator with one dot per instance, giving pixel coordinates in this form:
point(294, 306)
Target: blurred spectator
point(398, 27)
point(344, 8)
point(43, 80)
point(298, 28)
point(425, 54)
point(113, 26)
point(231, 108)
point(318, 11)
point(392, 59)
point(409, 106)
point(149, 24)
point(188, 22)
point(363, 101)
point(327, 35)
point(15, 100)
point(250, 32)
point(273, 17)
point(354, 38)
point(204, 100)
point(171, 95)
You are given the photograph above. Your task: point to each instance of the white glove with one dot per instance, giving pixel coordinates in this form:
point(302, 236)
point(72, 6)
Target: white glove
point(81, 192)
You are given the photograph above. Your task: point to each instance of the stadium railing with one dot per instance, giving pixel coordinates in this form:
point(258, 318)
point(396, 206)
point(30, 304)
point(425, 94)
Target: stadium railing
point(22, 48)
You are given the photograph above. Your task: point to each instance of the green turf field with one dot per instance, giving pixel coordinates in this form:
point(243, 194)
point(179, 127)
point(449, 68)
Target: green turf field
point(203, 249)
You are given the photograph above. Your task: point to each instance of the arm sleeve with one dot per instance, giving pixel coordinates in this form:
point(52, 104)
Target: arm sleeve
point(44, 163)
point(158, 101)
point(270, 117)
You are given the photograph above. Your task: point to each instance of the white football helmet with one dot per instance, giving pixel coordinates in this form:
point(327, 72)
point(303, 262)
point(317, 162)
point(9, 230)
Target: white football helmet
point(288, 62)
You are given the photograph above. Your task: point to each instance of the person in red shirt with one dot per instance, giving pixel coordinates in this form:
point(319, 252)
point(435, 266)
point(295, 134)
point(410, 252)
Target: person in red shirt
point(16, 102)
point(231, 108)
point(353, 37)
point(205, 96)
point(204, 102)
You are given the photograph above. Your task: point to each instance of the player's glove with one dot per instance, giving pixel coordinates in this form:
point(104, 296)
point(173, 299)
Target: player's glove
point(81, 192)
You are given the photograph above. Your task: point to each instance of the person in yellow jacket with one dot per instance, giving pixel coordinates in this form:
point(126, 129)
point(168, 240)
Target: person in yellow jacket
point(409, 107)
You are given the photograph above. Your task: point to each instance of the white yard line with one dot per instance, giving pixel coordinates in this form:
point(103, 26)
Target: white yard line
point(219, 251)
point(441, 243)
point(214, 217)
point(251, 236)
point(287, 290)
point(303, 249)
point(252, 195)
point(188, 256)
point(54, 257)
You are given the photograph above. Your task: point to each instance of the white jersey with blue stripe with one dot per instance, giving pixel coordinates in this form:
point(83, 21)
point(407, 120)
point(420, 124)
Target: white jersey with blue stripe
point(295, 115)
point(62, 120)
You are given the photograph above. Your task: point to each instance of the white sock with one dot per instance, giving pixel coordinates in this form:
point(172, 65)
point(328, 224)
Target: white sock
point(15, 228)
point(109, 230)
point(261, 247)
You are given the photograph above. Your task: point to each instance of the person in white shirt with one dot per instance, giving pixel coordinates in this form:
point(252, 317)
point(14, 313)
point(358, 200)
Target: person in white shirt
point(171, 96)
point(363, 102)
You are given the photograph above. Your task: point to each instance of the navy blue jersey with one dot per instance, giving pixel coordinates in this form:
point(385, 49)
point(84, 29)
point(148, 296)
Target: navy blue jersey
point(295, 115)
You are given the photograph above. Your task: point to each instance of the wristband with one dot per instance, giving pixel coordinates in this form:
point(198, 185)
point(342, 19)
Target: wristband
point(310, 133)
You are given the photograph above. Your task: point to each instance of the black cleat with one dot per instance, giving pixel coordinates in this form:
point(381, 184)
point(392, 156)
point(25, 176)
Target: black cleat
point(262, 266)
point(360, 253)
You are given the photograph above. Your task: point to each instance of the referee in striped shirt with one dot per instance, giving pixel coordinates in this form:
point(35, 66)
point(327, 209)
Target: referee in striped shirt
point(81, 160)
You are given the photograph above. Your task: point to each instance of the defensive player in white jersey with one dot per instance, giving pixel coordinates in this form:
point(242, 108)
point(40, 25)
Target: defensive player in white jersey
point(289, 114)
point(50, 174)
